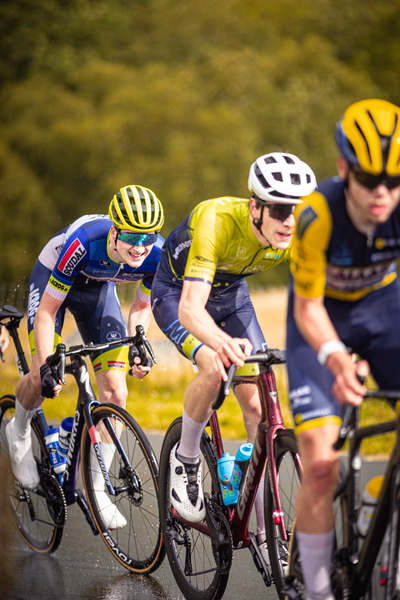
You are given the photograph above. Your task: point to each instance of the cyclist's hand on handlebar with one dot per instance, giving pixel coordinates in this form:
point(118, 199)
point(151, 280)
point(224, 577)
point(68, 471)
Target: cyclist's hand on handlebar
point(347, 387)
point(139, 365)
point(50, 387)
point(234, 350)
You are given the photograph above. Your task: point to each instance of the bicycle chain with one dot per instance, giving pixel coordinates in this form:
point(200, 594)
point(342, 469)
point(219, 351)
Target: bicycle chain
point(54, 495)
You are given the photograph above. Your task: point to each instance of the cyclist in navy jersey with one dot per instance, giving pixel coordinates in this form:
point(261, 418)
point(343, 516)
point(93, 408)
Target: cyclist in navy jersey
point(345, 294)
point(78, 269)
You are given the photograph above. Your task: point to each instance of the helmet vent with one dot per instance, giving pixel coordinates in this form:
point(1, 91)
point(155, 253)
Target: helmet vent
point(269, 160)
point(288, 159)
point(365, 139)
point(277, 176)
point(295, 178)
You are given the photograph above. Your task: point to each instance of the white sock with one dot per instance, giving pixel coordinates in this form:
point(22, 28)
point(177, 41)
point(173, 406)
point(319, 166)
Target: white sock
point(316, 553)
point(260, 515)
point(23, 419)
point(189, 446)
point(108, 451)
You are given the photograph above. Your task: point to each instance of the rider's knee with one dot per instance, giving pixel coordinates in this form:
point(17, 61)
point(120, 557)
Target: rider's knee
point(322, 476)
point(114, 391)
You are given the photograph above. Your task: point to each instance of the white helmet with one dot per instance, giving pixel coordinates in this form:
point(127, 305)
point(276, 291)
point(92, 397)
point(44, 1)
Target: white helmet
point(281, 178)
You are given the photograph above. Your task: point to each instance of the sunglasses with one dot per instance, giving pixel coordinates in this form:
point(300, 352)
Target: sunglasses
point(372, 181)
point(137, 239)
point(280, 212)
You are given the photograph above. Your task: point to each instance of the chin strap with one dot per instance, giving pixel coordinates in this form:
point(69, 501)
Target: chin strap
point(258, 223)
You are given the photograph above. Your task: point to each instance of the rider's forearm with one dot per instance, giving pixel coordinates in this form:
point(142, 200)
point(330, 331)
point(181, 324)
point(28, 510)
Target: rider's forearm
point(139, 314)
point(44, 335)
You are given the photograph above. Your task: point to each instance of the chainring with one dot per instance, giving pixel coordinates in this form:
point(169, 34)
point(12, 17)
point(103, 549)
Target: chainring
point(223, 555)
point(54, 496)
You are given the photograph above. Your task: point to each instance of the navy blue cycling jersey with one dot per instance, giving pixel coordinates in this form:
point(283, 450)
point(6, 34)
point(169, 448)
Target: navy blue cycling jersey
point(331, 258)
point(81, 250)
point(357, 276)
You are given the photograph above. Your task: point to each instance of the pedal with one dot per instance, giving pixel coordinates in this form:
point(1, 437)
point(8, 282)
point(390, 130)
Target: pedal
point(83, 505)
point(259, 561)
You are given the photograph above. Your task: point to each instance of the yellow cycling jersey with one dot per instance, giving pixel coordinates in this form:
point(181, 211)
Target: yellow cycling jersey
point(330, 257)
point(216, 244)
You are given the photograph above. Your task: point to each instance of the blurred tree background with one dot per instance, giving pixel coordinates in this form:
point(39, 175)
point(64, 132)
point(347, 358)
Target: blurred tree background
point(178, 96)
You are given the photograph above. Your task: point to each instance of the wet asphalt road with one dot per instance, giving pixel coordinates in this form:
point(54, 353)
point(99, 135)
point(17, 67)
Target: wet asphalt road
point(83, 569)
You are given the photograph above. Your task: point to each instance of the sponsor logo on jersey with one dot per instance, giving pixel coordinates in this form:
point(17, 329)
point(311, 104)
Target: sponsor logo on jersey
point(61, 287)
point(97, 367)
point(33, 302)
point(113, 335)
point(72, 257)
point(181, 247)
point(116, 364)
point(105, 263)
point(305, 219)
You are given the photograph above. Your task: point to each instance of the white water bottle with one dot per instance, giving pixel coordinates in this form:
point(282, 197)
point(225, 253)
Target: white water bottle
point(59, 463)
point(370, 497)
point(65, 436)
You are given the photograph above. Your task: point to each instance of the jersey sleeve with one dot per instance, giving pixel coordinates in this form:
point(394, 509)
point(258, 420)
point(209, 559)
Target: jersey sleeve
point(209, 240)
point(73, 259)
point(310, 242)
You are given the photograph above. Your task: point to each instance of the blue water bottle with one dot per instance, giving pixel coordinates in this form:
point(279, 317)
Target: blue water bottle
point(59, 463)
point(240, 466)
point(225, 466)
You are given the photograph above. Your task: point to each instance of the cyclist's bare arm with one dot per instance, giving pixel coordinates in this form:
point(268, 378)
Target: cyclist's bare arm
point(44, 327)
point(139, 314)
point(195, 318)
point(316, 327)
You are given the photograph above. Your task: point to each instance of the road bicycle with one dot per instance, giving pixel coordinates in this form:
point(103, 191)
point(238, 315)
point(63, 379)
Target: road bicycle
point(200, 554)
point(358, 564)
point(130, 482)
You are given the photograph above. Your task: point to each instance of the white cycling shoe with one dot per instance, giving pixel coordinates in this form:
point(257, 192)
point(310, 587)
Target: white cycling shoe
point(186, 492)
point(263, 548)
point(23, 464)
point(110, 514)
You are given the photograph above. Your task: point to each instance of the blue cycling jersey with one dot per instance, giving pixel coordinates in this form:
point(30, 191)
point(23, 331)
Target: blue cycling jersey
point(81, 250)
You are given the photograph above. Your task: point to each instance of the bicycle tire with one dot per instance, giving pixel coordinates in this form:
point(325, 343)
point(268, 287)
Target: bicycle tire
point(138, 546)
point(285, 449)
point(29, 510)
point(186, 545)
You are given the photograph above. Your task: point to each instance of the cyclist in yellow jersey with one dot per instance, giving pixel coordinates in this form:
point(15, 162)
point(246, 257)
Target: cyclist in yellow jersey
point(201, 302)
point(346, 293)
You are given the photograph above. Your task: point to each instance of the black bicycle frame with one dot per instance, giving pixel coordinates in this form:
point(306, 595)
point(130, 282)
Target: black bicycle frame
point(364, 564)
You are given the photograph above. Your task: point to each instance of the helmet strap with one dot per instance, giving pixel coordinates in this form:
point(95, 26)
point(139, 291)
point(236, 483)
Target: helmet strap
point(117, 231)
point(258, 223)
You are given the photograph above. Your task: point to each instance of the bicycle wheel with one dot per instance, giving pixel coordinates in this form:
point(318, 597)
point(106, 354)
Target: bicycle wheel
point(133, 473)
point(189, 549)
point(287, 465)
point(30, 512)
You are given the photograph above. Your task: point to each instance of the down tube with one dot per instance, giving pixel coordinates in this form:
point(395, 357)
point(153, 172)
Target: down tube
point(248, 492)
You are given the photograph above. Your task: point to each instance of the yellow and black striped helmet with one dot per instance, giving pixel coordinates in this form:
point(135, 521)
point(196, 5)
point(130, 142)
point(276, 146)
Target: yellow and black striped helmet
point(368, 136)
point(136, 208)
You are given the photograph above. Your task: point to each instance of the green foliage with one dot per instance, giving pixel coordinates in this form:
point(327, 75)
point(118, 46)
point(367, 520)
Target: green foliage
point(180, 97)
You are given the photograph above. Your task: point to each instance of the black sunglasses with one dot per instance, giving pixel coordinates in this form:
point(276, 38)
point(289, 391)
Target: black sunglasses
point(280, 212)
point(372, 181)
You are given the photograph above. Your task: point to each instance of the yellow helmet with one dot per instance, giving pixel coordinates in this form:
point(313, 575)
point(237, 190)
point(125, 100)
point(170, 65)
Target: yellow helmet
point(368, 136)
point(136, 208)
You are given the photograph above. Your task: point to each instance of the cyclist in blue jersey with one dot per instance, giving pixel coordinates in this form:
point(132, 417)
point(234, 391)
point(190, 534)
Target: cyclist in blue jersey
point(346, 293)
point(78, 270)
point(201, 302)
